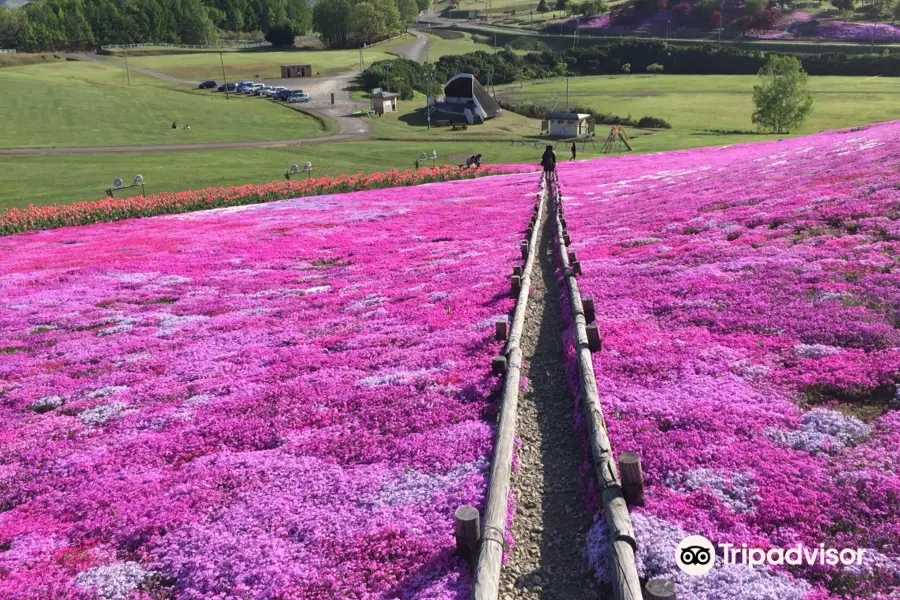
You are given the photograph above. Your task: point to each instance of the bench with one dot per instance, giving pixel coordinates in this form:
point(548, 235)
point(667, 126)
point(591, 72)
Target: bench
point(443, 123)
point(462, 126)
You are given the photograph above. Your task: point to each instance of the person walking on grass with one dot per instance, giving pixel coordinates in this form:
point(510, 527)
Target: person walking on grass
point(548, 161)
point(574, 151)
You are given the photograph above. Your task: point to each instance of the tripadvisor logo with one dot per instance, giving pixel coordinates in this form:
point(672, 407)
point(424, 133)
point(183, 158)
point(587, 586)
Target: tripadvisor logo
point(696, 555)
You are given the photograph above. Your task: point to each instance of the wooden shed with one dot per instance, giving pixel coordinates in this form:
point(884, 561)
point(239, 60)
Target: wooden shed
point(569, 125)
point(383, 102)
point(288, 71)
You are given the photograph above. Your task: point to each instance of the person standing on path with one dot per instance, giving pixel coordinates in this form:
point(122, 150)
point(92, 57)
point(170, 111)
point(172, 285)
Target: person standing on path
point(548, 161)
point(574, 150)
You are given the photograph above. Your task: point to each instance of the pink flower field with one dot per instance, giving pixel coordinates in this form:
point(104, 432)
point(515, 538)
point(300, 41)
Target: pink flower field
point(749, 304)
point(277, 401)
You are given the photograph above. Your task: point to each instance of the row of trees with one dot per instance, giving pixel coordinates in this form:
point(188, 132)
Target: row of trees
point(407, 77)
point(84, 24)
point(351, 23)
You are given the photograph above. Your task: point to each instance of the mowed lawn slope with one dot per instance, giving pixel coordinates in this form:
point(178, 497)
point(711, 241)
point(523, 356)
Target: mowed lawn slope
point(91, 104)
point(25, 180)
point(261, 64)
point(699, 107)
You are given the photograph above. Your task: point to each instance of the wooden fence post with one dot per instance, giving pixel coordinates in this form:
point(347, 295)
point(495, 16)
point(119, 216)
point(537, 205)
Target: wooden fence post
point(515, 285)
point(498, 365)
point(593, 336)
point(467, 530)
point(576, 267)
point(572, 257)
point(500, 330)
point(566, 239)
point(524, 246)
point(632, 478)
point(589, 314)
point(517, 270)
point(660, 589)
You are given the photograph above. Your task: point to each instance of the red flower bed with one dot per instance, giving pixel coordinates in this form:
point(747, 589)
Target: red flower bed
point(17, 220)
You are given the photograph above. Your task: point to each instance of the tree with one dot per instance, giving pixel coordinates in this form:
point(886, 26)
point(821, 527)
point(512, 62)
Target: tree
point(845, 6)
point(542, 7)
point(280, 36)
point(896, 13)
point(626, 68)
point(562, 4)
point(753, 8)
point(593, 7)
point(781, 99)
point(409, 11)
point(330, 19)
point(654, 68)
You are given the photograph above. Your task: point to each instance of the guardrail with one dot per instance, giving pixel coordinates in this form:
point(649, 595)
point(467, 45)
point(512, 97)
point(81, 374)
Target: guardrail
point(10, 51)
point(195, 46)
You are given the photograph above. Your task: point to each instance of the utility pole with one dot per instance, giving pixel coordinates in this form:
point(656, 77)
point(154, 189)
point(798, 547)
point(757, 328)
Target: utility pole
point(567, 93)
point(872, 46)
point(224, 77)
point(127, 72)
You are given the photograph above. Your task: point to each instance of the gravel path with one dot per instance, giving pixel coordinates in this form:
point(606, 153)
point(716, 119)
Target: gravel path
point(551, 521)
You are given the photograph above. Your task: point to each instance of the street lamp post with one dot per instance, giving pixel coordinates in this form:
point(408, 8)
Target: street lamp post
point(388, 67)
point(433, 157)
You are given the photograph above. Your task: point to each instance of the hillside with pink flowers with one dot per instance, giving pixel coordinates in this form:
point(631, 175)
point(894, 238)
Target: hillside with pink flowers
point(748, 299)
point(285, 400)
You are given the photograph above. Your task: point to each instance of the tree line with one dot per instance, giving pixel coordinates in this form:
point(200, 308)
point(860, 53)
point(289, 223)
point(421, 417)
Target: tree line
point(406, 77)
point(85, 24)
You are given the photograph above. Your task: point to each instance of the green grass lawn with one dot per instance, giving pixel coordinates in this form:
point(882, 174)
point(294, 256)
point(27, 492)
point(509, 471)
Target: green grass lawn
point(695, 105)
point(25, 180)
point(91, 104)
point(438, 46)
point(262, 64)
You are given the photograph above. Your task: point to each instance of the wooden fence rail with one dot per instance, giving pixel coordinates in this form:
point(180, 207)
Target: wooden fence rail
point(487, 569)
point(623, 572)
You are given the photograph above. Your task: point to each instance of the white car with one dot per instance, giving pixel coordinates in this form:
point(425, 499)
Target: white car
point(298, 97)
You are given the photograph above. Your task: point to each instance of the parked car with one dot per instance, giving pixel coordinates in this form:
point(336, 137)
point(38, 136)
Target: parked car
point(270, 92)
point(259, 91)
point(283, 95)
point(209, 84)
point(301, 97)
point(230, 86)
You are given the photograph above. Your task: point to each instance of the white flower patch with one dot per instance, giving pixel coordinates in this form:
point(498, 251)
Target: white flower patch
point(316, 289)
point(814, 350)
point(99, 415)
point(401, 377)
point(124, 324)
point(489, 322)
point(46, 404)
point(169, 323)
point(737, 491)
point(367, 301)
point(113, 582)
point(823, 430)
point(872, 561)
point(107, 391)
point(411, 486)
point(132, 277)
point(172, 280)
